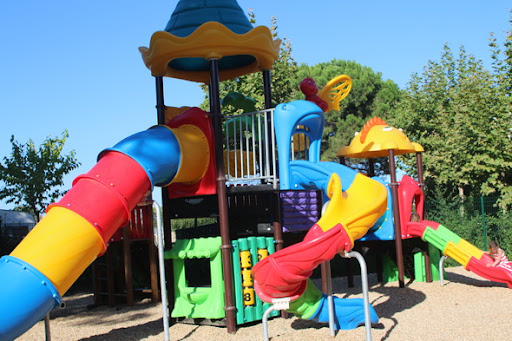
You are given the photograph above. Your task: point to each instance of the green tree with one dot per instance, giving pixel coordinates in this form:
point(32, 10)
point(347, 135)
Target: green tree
point(502, 62)
point(461, 114)
point(370, 96)
point(283, 76)
point(30, 177)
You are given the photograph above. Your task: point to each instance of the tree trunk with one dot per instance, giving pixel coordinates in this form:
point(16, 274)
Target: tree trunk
point(462, 197)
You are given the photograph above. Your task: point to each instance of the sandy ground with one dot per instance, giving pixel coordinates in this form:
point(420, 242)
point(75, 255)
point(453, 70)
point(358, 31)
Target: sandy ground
point(466, 308)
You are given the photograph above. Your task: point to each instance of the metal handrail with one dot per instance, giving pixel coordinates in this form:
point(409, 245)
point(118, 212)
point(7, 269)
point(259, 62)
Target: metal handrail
point(364, 282)
point(441, 269)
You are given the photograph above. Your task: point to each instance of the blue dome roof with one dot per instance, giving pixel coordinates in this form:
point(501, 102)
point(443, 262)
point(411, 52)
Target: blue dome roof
point(190, 14)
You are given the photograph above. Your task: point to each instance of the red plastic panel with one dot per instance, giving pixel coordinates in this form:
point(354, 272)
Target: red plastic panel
point(107, 194)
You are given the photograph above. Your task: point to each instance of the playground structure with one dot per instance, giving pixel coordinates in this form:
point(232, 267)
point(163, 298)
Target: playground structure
point(128, 269)
point(234, 176)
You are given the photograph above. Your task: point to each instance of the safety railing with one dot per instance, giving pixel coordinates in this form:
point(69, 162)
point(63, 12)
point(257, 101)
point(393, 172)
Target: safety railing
point(250, 149)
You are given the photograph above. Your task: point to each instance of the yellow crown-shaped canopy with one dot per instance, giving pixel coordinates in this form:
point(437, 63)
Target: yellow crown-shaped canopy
point(199, 31)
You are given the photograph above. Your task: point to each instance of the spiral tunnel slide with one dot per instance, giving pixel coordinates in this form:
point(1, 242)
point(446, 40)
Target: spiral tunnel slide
point(356, 202)
point(453, 246)
point(75, 230)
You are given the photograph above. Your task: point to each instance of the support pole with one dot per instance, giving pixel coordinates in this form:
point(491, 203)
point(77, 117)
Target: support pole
point(421, 182)
point(267, 88)
point(419, 167)
point(47, 331)
point(277, 224)
point(350, 274)
point(161, 267)
point(127, 257)
point(325, 268)
point(278, 229)
point(222, 197)
point(160, 110)
point(396, 218)
point(267, 91)
point(371, 168)
point(153, 254)
point(160, 106)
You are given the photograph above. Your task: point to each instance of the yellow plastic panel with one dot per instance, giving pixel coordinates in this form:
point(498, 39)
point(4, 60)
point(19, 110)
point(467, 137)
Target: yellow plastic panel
point(458, 254)
point(357, 209)
point(61, 246)
point(470, 249)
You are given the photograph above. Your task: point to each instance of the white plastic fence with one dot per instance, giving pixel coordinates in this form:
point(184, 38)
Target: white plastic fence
point(250, 149)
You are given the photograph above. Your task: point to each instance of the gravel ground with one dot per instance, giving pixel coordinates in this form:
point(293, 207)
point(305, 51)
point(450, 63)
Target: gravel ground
point(466, 308)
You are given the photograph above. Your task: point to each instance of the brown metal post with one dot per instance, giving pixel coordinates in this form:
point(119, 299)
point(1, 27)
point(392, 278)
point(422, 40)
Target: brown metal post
point(127, 256)
point(325, 269)
point(267, 88)
point(110, 278)
point(350, 273)
point(371, 167)
point(421, 182)
point(153, 268)
point(396, 218)
point(222, 197)
point(160, 110)
point(277, 224)
point(378, 260)
point(278, 229)
point(267, 91)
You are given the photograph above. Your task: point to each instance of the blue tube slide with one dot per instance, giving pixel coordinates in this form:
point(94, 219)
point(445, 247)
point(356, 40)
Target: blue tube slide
point(156, 150)
point(28, 296)
point(349, 313)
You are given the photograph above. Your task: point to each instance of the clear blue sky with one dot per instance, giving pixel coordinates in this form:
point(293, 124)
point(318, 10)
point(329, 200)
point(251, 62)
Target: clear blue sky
point(75, 65)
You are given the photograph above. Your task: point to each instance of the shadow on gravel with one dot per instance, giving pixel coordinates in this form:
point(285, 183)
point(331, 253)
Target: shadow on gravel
point(82, 309)
point(457, 278)
point(134, 333)
point(391, 300)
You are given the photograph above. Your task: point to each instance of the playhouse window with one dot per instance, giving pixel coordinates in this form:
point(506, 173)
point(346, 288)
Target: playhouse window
point(197, 272)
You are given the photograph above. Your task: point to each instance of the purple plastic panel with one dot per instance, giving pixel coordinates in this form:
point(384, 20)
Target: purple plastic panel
point(300, 207)
point(300, 210)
